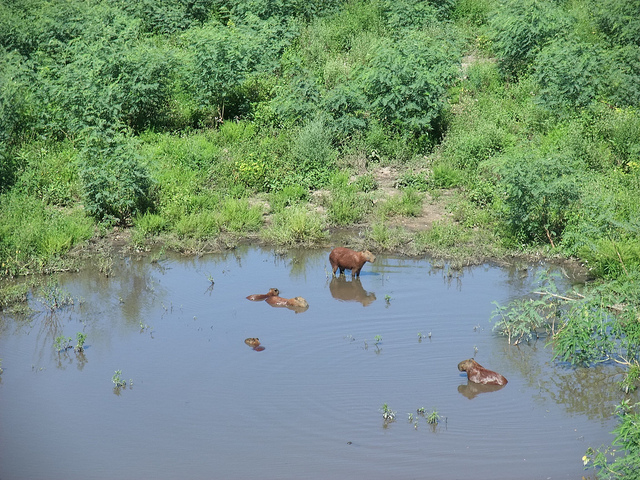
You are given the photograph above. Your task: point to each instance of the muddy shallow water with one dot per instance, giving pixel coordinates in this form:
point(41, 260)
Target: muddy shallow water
point(203, 404)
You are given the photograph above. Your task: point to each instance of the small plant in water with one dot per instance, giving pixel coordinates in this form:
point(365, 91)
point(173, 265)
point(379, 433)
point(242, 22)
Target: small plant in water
point(420, 411)
point(62, 343)
point(630, 381)
point(117, 379)
point(433, 418)
point(388, 415)
point(387, 299)
point(53, 297)
point(377, 340)
point(80, 337)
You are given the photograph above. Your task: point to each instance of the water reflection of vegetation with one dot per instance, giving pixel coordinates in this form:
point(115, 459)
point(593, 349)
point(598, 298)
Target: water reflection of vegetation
point(592, 392)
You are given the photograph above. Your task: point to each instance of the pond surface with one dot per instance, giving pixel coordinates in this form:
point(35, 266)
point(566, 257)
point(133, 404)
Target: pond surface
point(200, 403)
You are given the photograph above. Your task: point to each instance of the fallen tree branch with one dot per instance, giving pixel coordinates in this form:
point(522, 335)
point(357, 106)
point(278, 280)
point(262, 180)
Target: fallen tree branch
point(549, 237)
point(560, 296)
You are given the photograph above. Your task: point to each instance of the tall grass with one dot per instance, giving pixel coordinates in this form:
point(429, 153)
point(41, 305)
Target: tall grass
point(32, 234)
point(295, 225)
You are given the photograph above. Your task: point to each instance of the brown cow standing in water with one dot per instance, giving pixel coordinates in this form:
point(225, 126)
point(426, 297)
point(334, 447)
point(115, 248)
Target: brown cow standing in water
point(478, 374)
point(346, 259)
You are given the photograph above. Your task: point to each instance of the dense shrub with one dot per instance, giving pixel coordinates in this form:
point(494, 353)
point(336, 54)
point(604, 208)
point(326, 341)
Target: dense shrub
point(411, 14)
point(618, 130)
point(570, 73)
point(116, 184)
point(313, 155)
point(539, 194)
point(618, 20)
point(609, 210)
point(105, 83)
point(345, 205)
point(405, 83)
point(168, 16)
point(16, 110)
point(520, 29)
point(221, 58)
point(469, 147)
point(622, 80)
point(283, 9)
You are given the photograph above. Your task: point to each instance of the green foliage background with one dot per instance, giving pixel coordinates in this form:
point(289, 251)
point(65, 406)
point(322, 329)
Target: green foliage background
point(528, 110)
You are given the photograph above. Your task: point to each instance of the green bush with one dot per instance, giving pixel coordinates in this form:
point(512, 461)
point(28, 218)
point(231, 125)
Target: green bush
point(540, 192)
point(482, 76)
point(618, 20)
point(405, 82)
point(519, 29)
point(238, 216)
point(201, 225)
point(150, 224)
point(366, 183)
point(443, 235)
point(570, 73)
point(116, 185)
point(219, 59)
point(473, 145)
point(385, 237)
point(313, 154)
point(618, 129)
point(475, 12)
point(407, 204)
point(418, 181)
point(445, 176)
point(168, 16)
point(16, 107)
point(411, 14)
point(622, 460)
point(609, 212)
point(109, 77)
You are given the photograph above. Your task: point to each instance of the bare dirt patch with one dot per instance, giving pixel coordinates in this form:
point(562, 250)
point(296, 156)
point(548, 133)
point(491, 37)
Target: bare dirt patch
point(432, 210)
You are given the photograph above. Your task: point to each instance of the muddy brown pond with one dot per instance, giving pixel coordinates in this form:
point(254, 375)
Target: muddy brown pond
point(200, 403)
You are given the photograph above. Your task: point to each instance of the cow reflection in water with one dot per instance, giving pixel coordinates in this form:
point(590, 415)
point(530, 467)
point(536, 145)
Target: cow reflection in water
point(472, 390)
point(350, 291)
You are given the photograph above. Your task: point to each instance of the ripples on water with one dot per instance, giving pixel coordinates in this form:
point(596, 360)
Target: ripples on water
point(205, 405)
